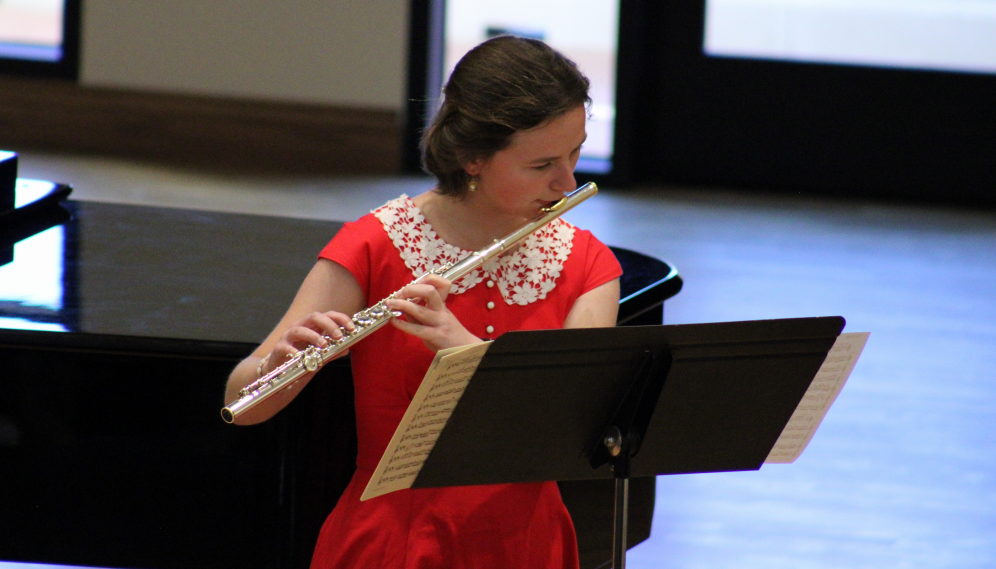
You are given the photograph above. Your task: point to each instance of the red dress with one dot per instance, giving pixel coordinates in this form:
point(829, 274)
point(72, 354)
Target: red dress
point(523, 526)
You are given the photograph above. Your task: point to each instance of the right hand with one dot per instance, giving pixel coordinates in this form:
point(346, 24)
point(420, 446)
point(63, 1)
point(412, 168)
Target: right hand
point(308, 331)
point(429, 318)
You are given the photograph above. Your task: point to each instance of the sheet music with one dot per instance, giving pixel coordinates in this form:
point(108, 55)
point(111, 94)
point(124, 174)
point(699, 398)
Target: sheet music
point(822, 392)
point(430, 409)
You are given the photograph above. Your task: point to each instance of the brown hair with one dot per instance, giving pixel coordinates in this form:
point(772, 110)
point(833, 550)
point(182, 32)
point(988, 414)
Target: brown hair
point(502, 86)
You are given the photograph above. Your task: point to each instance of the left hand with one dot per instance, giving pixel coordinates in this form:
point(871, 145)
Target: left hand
point(428, 318)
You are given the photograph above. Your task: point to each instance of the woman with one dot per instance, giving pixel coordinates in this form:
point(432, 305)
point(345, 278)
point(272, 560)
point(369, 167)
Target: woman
point(503, 145)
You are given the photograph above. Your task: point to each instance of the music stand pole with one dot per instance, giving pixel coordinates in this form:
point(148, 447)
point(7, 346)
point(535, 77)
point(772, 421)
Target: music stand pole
point(620, 449)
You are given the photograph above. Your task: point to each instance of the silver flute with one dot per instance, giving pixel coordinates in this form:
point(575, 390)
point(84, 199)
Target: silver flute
point(371, 319)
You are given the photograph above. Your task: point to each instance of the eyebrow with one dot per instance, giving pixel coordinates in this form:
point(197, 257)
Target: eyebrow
point(552, 158)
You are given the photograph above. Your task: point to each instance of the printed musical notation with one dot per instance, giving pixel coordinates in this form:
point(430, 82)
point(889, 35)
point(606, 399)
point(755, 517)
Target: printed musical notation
point(822, 392)
point(425, 418)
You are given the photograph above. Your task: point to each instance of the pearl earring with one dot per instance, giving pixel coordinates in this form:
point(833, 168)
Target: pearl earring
point(472, 186)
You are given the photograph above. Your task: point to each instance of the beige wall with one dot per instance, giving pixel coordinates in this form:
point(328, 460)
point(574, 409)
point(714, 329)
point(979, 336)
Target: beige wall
point(336, 52)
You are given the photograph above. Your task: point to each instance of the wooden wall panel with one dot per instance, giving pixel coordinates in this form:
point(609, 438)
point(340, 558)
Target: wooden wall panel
point(198, 131)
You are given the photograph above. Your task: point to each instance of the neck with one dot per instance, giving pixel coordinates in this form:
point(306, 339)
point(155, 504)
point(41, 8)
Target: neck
point(469, 223)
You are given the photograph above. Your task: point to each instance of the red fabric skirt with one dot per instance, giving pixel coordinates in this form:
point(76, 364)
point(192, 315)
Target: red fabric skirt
point(525, 526)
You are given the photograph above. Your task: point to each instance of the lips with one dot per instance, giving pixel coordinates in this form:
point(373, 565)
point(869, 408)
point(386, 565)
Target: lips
point(554, 201)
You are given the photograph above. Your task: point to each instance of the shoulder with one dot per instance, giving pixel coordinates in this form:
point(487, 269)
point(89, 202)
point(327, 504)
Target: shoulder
point(592, 260)
point(589, 249)
point(353, 236)
point(366, 226)
point(363, 246)
point(373, 229)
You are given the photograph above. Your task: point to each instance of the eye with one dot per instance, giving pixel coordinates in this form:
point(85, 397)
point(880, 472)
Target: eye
point(543, 166)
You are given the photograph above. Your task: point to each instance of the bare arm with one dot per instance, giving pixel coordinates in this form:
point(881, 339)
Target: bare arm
point(597, 308)
point(327, 299)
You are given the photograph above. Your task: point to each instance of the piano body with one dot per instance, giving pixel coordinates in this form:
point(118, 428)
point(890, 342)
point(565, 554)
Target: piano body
point(118, 330)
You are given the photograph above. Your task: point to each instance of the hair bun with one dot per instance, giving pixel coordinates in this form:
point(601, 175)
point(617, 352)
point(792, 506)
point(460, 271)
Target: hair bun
point(504, 85)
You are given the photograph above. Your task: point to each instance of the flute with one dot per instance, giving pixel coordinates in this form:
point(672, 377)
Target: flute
point(371, 319)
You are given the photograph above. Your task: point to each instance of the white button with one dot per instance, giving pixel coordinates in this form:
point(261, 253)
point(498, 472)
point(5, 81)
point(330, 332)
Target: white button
point(489, 329)
point(491, 284)
point(490, 305)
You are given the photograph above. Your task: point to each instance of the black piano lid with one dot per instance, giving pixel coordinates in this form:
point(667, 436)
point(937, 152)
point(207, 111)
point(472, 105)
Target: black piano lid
point(165, 280)
point(161, 279)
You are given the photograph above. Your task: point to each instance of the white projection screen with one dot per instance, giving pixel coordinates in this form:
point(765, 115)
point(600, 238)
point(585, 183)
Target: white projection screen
point(941, 35)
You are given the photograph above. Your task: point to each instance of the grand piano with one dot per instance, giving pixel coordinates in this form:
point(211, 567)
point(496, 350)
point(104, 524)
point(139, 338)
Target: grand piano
point(118, 329)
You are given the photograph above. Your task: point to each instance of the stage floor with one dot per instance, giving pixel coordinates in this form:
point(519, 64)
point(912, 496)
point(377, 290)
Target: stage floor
point(902, 473)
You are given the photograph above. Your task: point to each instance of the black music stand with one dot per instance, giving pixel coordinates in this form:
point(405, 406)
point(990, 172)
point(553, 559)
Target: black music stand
point(634, 401)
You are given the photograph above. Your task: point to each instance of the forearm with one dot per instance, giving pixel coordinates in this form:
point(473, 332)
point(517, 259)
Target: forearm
point(314, 316)
point(246, 373)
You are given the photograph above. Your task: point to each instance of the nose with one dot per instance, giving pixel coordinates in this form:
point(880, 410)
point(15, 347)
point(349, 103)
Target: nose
point(564, 181)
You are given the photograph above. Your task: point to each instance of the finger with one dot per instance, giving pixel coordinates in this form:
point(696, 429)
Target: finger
point(342, 320)
point(280, 354)
point(417, 330)
point(301, 336)
point(426, 293)
point(441, 285)
point(414, 291)
point(325, 324)
point(414, 312)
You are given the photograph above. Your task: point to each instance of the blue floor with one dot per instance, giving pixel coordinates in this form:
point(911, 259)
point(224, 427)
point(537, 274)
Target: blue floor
point(902, 472)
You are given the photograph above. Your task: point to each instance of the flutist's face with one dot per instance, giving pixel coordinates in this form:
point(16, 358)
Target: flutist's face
point(536, 169)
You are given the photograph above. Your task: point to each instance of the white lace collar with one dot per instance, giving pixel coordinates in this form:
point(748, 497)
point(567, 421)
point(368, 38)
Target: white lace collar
point(522, 276)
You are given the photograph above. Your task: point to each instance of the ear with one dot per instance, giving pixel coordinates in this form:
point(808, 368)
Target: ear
point(473, 168)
